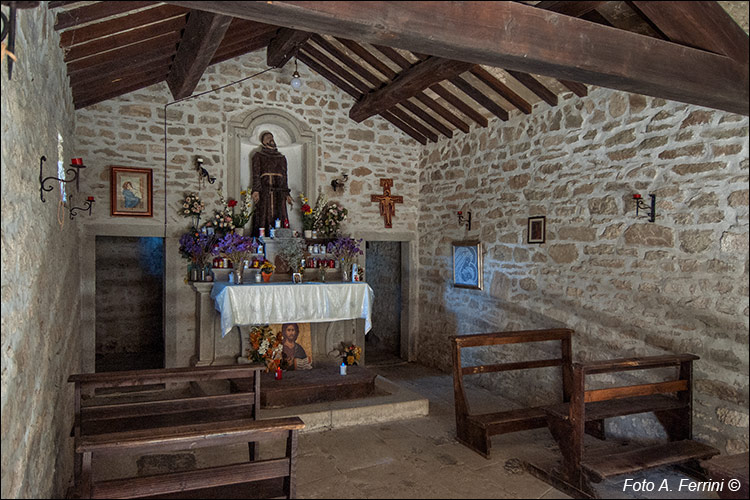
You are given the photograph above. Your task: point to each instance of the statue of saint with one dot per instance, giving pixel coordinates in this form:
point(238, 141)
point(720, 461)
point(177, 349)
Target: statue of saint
point(270, 191)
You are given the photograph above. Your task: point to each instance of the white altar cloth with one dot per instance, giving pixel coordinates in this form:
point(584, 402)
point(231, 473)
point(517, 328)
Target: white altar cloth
point(273, 303)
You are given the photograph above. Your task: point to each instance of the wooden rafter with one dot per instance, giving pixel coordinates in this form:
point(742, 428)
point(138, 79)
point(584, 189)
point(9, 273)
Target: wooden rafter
point(488, 79)
point(130, 55)
point(368, 57)
point(427, 118)
point(442, 111)
point(479, 97)
point(202, 36)
point(535, 86)
point(336, 68)
point(94, 12)
point(416, 125)
point(348, 61)
point(459, 105)
point(284, 46)
point(81, 79)
point(541, 42)
point(575, 9)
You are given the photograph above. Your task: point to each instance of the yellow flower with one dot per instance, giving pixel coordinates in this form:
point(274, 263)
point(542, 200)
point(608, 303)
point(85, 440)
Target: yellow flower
point(349, 360)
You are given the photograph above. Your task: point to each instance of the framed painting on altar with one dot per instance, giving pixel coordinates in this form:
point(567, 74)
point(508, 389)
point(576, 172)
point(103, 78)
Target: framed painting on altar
point(132, 192)
point(296, 352)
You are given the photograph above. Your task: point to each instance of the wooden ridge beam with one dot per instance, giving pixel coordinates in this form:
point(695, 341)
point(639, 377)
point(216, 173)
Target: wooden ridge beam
point(705, 25)
point(284, 46)
point(202, 36)
point(406, 85)
point(488, 79)
point(479, 97)
point(520, 37)
point(94, 12)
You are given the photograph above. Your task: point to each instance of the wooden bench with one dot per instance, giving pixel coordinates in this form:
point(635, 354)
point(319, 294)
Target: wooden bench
point(475, 430)
point(184, 437)
point(95, 419)
point(567, 422)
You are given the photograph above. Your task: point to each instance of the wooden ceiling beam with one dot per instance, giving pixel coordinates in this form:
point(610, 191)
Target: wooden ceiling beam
point(459, 104)
point(427, 118)
point(248, 46)
point(126, 56)
point(575, 9)
point(368, 57)
point(479, 97)
point(94, 12)
point(336, 68)
point(535, 86)
point(83, 78)
point(406, 85)
point(520, 37)
point(202, 36)
point(113, 42)
point(284, 46)
point(55, 5)
point(578, 89)
point(348, 61)
point(115, 93)
point(112, 83)
point(443, 112)
point(107, 28)
point(704, 25)
point(404, 117)
point(506, 92)
point(403, 126)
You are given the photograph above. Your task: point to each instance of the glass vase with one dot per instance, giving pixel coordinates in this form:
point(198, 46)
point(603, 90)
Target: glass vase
point(238, 275)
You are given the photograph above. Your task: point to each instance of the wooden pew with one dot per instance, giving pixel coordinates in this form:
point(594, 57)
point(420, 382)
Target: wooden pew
point(567, 421)
point(475, 430)
point(191, 436)
point(91, 420)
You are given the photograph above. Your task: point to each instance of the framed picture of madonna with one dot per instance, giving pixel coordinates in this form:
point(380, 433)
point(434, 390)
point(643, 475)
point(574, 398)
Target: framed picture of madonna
point(132, 192)
point(467, 264)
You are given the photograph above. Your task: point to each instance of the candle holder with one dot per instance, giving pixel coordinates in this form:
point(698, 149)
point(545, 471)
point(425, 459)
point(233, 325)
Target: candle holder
point(89, 203)
point(640, 205)
point(76, 165)
point(464, 220)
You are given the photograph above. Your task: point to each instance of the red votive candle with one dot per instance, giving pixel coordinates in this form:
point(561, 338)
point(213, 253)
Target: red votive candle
point(90, 198)
point(77, 161)
point(636, 197)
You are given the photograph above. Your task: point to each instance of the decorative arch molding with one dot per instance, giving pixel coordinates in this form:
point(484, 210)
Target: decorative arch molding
point(240, 131)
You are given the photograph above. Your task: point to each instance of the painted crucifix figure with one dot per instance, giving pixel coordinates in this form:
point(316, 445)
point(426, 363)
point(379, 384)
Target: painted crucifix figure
point(387, 202)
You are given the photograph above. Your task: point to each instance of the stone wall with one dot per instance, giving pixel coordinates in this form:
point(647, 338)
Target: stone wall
point(626, 286)
point(40, 268)
point(129, 131)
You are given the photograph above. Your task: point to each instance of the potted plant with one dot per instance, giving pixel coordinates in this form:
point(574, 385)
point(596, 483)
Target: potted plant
point(291, 252)
point(266, 270)
point(241, 218)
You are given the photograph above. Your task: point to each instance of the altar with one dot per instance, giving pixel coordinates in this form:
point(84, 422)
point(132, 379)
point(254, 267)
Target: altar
point(337, 312)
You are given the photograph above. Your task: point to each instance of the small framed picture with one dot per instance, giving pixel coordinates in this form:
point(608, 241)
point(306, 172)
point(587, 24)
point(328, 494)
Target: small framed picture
point(297, 277)
point(537, 229)
point(467, 264)
point(132, 191)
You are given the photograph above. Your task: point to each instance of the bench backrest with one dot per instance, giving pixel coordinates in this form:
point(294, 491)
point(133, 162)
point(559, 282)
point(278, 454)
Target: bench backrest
point(563, 335)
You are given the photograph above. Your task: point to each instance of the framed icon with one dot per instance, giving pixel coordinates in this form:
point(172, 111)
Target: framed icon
point(467, 264)
point(537, 229)
point(132, 192)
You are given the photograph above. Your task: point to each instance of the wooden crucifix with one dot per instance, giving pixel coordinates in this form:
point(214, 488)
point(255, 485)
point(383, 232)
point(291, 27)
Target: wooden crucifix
point(387, 202)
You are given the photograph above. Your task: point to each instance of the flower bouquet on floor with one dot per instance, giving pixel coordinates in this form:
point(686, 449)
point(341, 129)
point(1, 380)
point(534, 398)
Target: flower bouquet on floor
point(265, 347)
point(349, 353)
point(237, 249)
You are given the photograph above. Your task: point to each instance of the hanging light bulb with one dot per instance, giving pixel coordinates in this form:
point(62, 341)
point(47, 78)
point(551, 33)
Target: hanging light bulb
point(296, 81)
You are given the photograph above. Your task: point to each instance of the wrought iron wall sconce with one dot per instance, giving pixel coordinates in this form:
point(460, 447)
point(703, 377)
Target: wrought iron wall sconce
point(340, 182)
point(87, 208)
point(202, 170)
point(76, 164)
point(464, 219)
point(640, 205)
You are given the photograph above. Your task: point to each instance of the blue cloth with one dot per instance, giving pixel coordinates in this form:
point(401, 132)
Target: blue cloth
point(131, 200)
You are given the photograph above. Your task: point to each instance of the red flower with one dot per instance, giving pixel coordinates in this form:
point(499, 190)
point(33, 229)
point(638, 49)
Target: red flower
point(306, 209)
point(232, 203)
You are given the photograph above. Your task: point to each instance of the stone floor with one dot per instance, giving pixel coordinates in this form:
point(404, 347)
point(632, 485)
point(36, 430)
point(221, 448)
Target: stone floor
point(414, 458)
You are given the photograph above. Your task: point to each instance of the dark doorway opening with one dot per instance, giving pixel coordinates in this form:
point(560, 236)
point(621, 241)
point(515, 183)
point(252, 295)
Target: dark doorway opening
point(383, 274)
point(129, 297)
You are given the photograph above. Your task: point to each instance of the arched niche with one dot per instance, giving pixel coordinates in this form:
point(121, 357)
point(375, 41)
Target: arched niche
point(294, 139)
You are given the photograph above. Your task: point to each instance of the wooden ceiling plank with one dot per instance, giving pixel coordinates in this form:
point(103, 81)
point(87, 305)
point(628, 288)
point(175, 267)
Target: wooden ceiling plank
point(407, 84)
point(284, 46)
point(541, 42)
point(81, 79)
point(249, 46)
point(578, 89)
point(394, 56)
point(443, 112)
point(237, 34)
point(336, 68)
point(459, 104)
point(115, 93)
point(489, 79)
point(403, 126)
point(368, 57)
point(202, 36)
point(87, 49)
point(109, 84)
point(427, 118)
point(575, 9)
point(132, 54)
point(348, 61)
point(107, 28)
point(535, 86)
point(704, 25)
point(55, 5)
point(479, 97)
point(116, 66)
point(404, 117)
point(329, 75)
point(94, 12)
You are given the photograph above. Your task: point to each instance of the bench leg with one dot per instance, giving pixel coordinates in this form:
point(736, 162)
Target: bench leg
point(290, 484)
point(571, 449)
point(86, 476)
point(595, 428)
point(475, 437)
point(676, 423)
point(252, 448)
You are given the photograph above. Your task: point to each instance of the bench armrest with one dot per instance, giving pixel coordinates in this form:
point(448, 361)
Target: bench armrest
point(626, 364)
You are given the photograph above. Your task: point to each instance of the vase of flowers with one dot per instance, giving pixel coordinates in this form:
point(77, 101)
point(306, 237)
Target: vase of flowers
point(192, 206)
point(308, 219)
point(345, 250)
point(266, 270)
point(332, 215)
point(221, 222)
point(349, 353)
point(242, 216)
point(237, 249)
point(291, 251)
point(197, 246)
point(265, 347)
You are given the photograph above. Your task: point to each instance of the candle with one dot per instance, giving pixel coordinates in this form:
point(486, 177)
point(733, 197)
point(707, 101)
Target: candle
point(90, 198)
point(636, 197)
point(278, 373)
point(77, 161)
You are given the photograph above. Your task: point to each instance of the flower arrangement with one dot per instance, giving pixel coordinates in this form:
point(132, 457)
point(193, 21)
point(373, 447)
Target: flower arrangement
point(221, 222)
point(192, 206)
point(265, 346)
point(331, 217)
point(308, 220)
point(349, 353)
point(291, 251)
point(234, 247)
point(267, 267)
point(197, 246)
point(243, 217)
point(345, 250)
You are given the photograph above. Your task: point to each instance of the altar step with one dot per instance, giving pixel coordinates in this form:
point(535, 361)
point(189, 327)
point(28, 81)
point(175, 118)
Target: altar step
point(387, 402)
